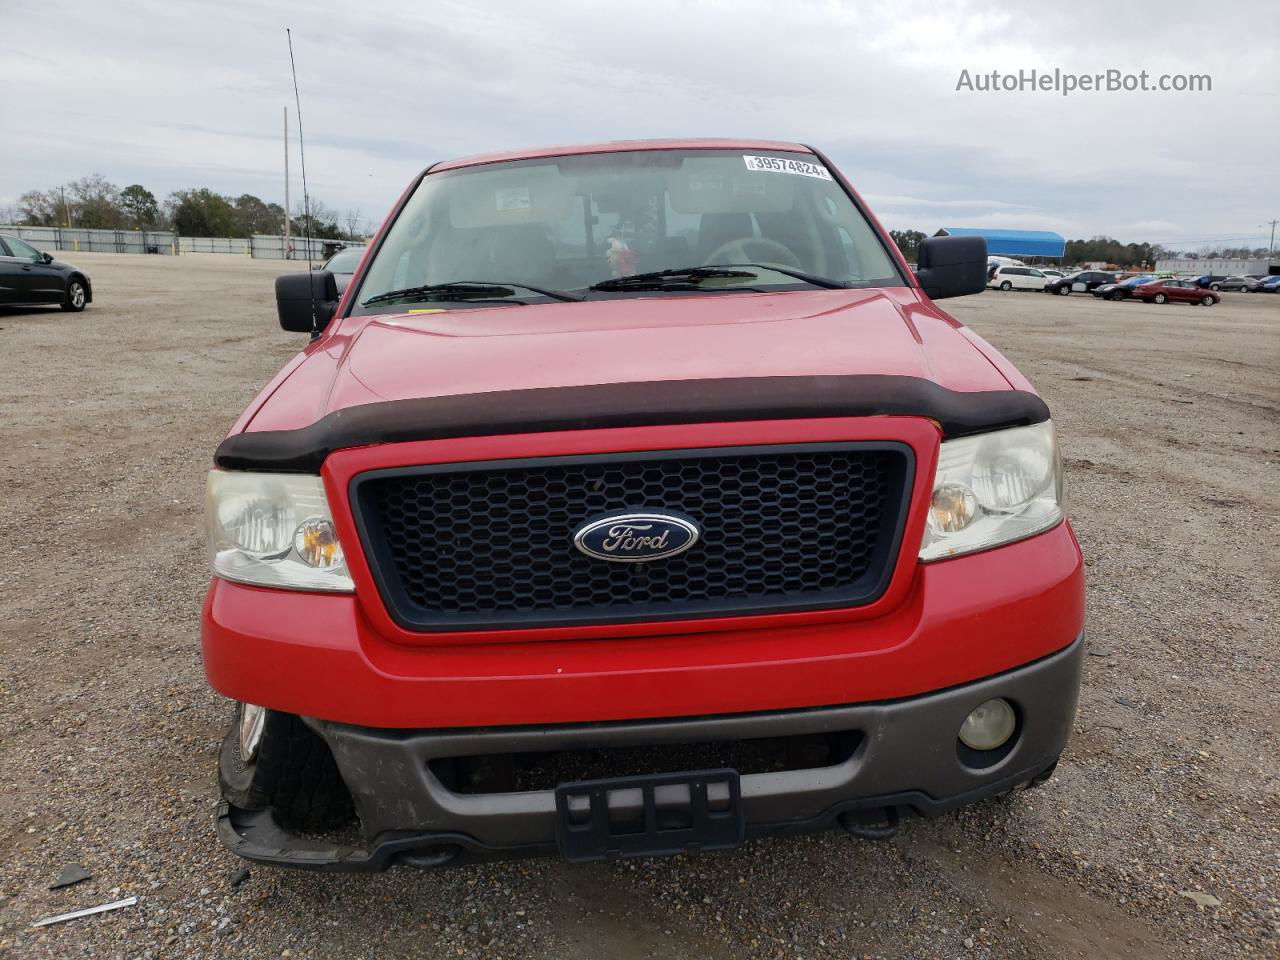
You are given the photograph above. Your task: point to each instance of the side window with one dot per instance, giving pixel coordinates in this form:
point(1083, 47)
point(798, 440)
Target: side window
point(4, 250)
point(19, 248)
point(1034, 273)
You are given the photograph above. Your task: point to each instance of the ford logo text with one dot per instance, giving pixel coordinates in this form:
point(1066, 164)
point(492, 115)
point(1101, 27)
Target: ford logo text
point(636, 537)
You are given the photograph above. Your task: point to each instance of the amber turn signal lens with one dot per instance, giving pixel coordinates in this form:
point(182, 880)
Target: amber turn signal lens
point(316, 542)
point(953, 506)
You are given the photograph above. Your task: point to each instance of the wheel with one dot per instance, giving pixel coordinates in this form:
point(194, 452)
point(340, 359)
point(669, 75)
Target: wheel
point(76, 296)
point(1215, 286)
point(273, 759)
point(1159, 298)
point(1006, 286)
point(739, 251)
point(1208, 301)
point(1116, 295)
point(1064, 290)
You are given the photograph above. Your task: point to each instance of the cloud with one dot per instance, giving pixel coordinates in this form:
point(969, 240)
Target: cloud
point(181, 95)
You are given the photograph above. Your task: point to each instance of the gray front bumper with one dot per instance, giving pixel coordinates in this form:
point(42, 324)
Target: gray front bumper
point(906, 759)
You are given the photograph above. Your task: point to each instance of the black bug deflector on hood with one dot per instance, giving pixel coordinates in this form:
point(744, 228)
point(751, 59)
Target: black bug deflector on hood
point(635, 404)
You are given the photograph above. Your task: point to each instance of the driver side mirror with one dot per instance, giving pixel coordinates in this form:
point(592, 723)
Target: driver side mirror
point(952, 266)
point(304, 299)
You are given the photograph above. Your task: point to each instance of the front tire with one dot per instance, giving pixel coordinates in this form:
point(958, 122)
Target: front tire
point(288, 768)
point(1215, 286)
point(76, 296)
point(1208, 301)
point(1064, 291)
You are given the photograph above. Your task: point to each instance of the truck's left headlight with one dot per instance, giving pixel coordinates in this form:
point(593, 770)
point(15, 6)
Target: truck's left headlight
point(992, 489)
point(273, 530)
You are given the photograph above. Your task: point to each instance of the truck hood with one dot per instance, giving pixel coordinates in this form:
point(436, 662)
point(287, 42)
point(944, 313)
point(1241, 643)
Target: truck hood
point(462, 351)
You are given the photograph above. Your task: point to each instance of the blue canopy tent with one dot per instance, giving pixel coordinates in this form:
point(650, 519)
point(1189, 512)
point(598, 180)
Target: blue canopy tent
point(1013, 243)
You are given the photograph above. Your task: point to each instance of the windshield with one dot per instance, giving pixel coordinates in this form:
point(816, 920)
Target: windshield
point(570, 223)
point(345, 261)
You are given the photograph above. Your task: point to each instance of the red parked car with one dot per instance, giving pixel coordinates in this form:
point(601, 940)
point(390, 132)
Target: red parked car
point(1174, 291)
point(633, 499)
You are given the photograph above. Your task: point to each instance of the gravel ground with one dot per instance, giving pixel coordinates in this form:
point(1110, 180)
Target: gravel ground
point(108, 733)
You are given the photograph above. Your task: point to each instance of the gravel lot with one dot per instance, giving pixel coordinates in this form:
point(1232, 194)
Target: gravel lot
point(1171, 783)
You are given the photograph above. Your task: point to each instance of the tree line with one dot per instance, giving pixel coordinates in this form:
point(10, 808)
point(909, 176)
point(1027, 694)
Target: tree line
point(95, 203)
point(1103, 249)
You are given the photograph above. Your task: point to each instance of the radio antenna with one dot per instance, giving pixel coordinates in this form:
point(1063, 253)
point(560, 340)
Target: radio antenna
point(306, 197)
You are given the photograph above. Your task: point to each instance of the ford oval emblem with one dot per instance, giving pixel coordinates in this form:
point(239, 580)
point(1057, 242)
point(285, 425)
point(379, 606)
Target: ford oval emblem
point(636, 537)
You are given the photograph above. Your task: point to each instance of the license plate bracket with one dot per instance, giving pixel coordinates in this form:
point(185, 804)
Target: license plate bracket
point(649, 815)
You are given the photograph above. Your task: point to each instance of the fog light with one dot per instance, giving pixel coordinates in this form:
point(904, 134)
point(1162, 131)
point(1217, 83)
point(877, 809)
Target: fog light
point(989, 726)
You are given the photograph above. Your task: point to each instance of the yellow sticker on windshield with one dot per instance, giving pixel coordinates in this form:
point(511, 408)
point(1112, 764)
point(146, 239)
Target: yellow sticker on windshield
point(426, 310)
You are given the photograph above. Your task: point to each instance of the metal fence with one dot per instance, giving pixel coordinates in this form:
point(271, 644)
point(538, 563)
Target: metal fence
point(263, 247)
point(96, 241)
point(166, 242)
point(238, 245)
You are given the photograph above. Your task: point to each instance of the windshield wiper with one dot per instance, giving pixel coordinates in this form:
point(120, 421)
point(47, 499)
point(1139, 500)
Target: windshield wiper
point(690, 278)
point(679, 278)
point(466, 290)
point(812, 278)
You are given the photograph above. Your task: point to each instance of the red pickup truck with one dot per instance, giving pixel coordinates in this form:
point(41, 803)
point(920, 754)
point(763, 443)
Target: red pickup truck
point(633, 499)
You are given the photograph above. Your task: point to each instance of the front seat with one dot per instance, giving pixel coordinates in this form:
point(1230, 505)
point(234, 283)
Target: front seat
point(521, 253)
point(717, 229)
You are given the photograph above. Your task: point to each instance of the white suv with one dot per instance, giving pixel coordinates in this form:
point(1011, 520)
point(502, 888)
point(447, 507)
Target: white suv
point(1018, 278)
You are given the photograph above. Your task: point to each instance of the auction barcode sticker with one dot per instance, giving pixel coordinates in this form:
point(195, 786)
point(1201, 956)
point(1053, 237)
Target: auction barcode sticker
point(780, 165)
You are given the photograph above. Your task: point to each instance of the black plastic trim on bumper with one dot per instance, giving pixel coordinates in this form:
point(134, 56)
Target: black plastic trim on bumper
point(906, 761)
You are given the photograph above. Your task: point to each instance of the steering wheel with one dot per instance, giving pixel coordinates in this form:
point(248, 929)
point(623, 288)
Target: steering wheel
point(739, 251)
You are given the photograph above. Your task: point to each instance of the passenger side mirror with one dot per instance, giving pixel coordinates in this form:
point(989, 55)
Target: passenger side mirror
point(46, 258)
point(300, 296)
point(952, 266)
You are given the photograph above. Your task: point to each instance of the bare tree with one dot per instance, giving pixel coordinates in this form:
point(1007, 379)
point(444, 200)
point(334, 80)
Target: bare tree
point(352, 220)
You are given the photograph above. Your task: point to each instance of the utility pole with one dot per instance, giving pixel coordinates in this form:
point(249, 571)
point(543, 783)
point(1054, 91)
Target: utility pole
point(1272, 245)
point(286, 184)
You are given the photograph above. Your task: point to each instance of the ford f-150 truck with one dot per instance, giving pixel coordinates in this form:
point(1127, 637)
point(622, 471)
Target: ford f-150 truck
point(633, 499)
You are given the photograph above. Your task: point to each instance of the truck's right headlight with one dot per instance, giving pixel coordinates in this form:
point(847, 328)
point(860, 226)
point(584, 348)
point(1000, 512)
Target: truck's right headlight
point(274, 530)
point(993, 489)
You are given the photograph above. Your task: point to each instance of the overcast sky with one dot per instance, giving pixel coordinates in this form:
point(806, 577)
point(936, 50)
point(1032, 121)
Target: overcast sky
point(174, 95)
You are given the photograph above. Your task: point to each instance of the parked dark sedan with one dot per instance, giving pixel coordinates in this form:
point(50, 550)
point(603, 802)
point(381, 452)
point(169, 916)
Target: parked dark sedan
point(1174, 291)
point(28, 277)
point(343, 265)
point(1085, 281)
point(1122, 290)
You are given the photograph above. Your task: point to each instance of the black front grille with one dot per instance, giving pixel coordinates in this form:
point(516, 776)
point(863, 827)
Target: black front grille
point(490, 545)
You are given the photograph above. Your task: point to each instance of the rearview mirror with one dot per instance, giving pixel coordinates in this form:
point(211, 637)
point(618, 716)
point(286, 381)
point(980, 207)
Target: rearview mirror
point(305, 302)
point(952, 266)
